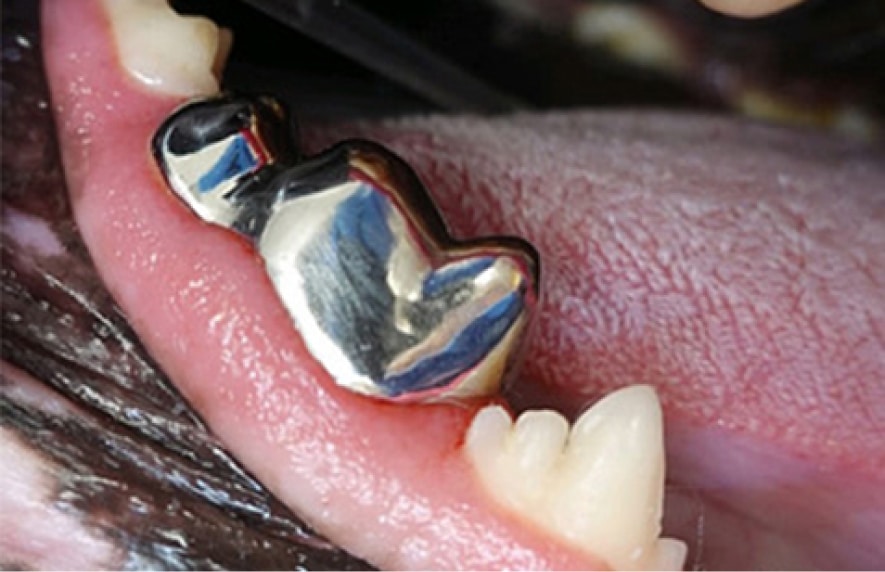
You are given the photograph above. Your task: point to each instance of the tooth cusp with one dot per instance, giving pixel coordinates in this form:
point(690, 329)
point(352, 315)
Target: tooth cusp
point(598, 486)
point(167, 52)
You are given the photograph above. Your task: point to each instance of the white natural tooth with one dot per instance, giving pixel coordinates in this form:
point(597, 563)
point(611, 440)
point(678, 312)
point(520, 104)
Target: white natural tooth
point(614, 465)
point(669, 554)
point(487, 438)
point(167, 52)
point(533, 448)
point(599, 487)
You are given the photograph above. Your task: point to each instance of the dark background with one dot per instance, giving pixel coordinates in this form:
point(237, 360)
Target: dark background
point(823, 50)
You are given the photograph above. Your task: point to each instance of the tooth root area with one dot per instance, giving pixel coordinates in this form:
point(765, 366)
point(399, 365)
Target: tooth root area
point(598, 486)
point(167, 52)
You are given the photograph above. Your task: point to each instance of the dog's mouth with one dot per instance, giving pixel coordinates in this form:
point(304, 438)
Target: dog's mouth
point(735, 268)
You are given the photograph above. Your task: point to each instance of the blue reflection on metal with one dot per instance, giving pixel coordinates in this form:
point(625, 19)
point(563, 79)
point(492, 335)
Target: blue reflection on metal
point(357, 254)
point(350, 239)
point(362, 220)
point(465, 350)
point(454, 273)
point(237, 159)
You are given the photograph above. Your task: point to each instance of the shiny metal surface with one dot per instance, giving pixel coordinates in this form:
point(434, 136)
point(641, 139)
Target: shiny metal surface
point(384, 298)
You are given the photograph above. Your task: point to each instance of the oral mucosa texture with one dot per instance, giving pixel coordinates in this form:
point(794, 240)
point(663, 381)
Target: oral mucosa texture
point(596, 487)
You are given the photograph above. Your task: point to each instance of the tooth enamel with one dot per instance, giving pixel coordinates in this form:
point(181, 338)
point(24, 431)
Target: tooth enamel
point(170, 53)
point(669, 554)
point(599, 486)
point(533, 448)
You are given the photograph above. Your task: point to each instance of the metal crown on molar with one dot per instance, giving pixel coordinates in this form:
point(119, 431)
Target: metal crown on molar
point(384, 298)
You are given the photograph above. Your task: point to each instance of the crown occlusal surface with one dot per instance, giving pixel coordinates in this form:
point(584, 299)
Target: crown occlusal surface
point(167, 52)
point(598, 486)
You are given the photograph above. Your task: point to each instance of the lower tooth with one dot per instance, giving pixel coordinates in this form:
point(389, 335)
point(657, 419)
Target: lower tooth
point(599, 487)
point(167, 52)
point(669, 554)
point(534, 447)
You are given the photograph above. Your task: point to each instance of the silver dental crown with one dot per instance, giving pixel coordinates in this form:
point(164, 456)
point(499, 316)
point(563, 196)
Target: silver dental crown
point(385, 299)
